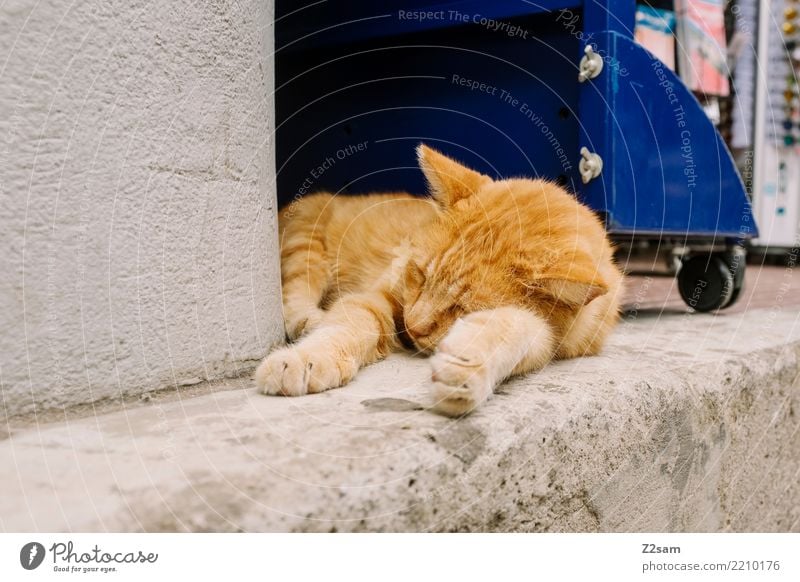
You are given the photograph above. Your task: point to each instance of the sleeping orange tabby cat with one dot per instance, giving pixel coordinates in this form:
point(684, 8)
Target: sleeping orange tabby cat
point(492, 278)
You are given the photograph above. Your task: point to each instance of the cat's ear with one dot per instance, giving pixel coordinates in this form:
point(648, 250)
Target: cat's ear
point(572, 279)
point(449, 181)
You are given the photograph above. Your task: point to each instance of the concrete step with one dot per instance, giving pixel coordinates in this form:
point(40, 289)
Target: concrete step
point(684, 423)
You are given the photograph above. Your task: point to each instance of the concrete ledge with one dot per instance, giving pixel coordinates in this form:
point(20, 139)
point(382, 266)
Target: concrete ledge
point(686, 423)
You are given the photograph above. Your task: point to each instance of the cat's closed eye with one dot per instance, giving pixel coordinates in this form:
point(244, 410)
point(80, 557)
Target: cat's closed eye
point(416, 274)
point(455, 311)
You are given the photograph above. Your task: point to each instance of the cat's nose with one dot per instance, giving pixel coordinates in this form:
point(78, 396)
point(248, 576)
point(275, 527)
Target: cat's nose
point(419, 320)
point(419, 329)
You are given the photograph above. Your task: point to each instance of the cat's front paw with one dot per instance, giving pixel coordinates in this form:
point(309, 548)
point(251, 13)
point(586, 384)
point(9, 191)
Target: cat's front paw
point(295, 371)
point(460, 370)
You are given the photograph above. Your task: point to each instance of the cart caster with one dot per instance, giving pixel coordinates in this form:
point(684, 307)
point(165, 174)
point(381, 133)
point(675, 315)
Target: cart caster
point(736, 260)
point(674, 260)
point(708, 283)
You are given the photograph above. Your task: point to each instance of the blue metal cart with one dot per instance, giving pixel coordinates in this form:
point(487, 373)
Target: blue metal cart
point(548, 88)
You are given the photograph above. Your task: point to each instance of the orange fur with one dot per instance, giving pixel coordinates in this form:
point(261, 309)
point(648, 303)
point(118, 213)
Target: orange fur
point(494, 278)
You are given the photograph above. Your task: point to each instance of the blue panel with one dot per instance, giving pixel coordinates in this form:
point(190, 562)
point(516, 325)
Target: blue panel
point(350, 116)
point(610, 16)
point(338, 22)
point(667, 170)
point(391, 96)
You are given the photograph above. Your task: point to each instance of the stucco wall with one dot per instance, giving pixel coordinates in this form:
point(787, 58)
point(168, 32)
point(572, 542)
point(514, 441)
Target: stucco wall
point(137, 218)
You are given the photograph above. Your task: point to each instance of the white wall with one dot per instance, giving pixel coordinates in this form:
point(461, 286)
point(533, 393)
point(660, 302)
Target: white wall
point(137, 205)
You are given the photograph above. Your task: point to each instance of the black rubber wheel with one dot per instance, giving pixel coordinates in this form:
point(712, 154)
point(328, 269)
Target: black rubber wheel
point(737, 271)
point(706, 283)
